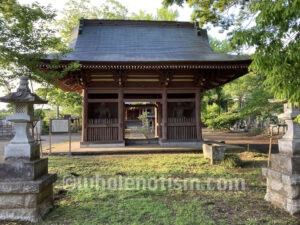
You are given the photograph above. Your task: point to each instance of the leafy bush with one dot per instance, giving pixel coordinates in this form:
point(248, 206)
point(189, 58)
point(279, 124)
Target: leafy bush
point(232, 161)
point(209, 112)
point(223, 121)
point(297, 120)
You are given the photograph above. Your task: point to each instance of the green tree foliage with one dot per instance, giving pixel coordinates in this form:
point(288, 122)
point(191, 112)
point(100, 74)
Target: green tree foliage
point(270, 27)
point(220, 46)
point(25, 37)
point(70, 102)
point(76, 9)
point(142, 15)
point(245, 98)
point(162, 14)
point(223, 121)
point(165, 14)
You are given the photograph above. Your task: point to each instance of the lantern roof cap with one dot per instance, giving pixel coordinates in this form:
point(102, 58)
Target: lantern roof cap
point(23, 94)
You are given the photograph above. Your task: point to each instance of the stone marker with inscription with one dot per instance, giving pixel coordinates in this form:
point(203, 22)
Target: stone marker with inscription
point(26, 188)
point(283, 178)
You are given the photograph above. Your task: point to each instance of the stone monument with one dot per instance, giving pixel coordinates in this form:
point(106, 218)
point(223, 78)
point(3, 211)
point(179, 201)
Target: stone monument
point(26, 188)
point(283, 178)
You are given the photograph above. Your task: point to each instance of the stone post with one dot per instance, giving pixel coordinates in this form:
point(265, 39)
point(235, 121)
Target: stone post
point(26, 188)
point(283, 178)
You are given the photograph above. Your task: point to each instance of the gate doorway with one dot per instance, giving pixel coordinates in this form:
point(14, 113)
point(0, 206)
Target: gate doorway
point(141, 123)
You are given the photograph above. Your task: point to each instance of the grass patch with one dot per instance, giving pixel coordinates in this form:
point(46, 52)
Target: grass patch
point(232, 161)
point(161, 206)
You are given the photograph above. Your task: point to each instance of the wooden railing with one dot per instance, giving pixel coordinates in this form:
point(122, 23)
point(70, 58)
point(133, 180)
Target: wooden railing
point(102, 134)
point(181, 120)
point(102, 121)
point(181, 128)
point(102, 130)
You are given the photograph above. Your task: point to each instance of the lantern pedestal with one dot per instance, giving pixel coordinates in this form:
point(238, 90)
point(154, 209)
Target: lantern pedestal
point(283, 178)
point(26, 188)
point(26, 200)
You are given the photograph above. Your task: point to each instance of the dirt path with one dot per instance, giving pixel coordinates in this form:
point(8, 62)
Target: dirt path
point(258, 143)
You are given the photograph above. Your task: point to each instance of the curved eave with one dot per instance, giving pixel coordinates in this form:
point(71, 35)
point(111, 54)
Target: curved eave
point(237, 64)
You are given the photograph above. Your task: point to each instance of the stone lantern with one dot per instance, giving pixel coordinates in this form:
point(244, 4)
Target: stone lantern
point(283, 179)
point(26, 188)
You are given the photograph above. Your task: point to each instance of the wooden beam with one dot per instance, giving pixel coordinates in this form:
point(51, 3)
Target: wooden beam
point(102, 100)
point(141, 100)
point(181, 99)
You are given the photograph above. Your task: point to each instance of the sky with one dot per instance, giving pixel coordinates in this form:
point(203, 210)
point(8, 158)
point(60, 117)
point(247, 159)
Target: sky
point(133, 6)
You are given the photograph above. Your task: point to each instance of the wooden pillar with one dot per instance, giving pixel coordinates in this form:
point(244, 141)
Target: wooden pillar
point(85, 115)
point(198, 115)
point(164, 115)
point(121, 115)
point(156, 121)
point(159, 120)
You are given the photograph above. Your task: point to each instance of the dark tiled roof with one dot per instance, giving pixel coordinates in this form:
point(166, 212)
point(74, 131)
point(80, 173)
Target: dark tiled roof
point(142, 41)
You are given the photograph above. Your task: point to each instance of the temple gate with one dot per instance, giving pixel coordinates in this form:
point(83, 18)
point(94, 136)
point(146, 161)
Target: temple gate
point(166, 63)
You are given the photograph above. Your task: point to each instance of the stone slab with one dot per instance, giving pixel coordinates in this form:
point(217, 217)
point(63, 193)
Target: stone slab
point(102, 145)
point(282, 187)
point(214, 152)
point(33, 187)
point(23, 170)
point(26, 200)
point(180, 143)
point(25, 151)
point(19, 209)
point(289, 146)
point(285, 163)
point(293, 179)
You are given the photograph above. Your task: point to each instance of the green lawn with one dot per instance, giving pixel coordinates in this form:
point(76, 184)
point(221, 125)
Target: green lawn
point(162, 206)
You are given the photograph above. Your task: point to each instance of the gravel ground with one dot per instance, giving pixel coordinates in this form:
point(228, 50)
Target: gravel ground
point(56, 139)
point(259, 143)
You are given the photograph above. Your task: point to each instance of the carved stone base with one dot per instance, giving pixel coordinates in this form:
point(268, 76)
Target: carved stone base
point(23, 170)
point(28, 151)
point(26, 200)
point(283, 190)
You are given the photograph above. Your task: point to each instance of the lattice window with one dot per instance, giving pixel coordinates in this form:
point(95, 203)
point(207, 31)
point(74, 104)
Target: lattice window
point(20, 108)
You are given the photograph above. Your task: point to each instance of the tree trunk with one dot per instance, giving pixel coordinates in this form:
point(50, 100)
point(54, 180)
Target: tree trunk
point(57, 111)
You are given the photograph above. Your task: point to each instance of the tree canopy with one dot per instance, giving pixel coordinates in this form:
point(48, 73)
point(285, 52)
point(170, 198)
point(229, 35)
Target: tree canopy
point(162, 14)
point(25, 37)
point(76, 9)
point(270, 27)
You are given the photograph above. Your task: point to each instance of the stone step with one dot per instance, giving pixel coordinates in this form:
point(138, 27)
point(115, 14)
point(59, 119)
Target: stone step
point(141, 141)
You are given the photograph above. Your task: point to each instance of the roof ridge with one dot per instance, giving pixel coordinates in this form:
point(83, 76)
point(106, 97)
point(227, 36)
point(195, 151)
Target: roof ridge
point(103, 22)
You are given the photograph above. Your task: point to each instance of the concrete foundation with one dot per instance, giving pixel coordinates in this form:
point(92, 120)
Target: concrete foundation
point(102, 145)
point(180, 143)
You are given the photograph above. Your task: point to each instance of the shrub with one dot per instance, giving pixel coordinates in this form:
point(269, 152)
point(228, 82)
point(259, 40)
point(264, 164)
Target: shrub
point(297, 119)
point(232, 161)
point(223, 121)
